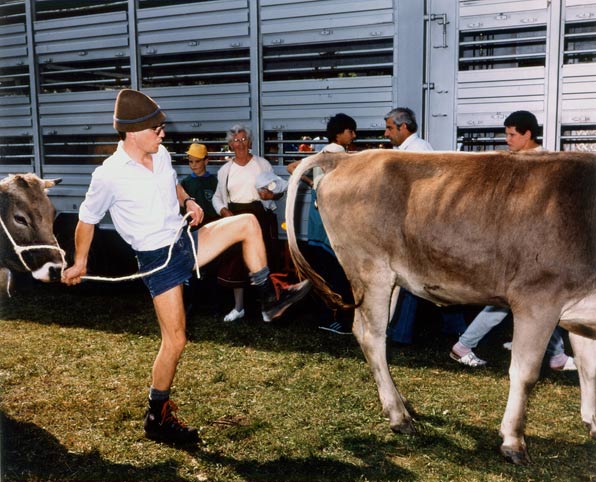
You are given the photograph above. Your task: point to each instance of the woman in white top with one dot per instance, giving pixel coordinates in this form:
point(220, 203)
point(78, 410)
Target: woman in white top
point(237, 193)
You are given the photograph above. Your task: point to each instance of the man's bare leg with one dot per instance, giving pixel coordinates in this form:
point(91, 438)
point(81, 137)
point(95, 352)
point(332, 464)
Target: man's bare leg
point(216, 237)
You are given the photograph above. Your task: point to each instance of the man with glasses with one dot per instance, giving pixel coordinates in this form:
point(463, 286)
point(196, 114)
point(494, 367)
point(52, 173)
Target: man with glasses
point(139, 187)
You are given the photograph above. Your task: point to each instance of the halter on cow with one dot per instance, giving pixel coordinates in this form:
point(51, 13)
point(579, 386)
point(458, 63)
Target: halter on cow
point(515, 230)
point(27, 241)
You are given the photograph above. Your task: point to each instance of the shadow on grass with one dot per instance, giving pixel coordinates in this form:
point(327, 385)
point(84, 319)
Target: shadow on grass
point(35, 454)
point(382, 460)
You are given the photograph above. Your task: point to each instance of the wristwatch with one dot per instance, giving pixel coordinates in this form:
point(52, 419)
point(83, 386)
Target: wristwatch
point(188, 199)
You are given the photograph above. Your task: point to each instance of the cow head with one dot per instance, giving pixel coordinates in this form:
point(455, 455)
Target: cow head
point(28, 215)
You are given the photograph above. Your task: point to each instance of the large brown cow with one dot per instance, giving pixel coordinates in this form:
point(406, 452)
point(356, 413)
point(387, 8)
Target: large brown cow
point(515, 230)
point(27, 217)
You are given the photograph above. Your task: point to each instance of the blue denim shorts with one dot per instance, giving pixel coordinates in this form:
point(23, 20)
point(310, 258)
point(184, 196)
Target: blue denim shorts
point(177, 271)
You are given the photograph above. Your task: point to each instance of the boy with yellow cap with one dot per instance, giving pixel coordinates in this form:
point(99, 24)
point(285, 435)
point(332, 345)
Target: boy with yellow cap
point(139, 187)
point(200, 183)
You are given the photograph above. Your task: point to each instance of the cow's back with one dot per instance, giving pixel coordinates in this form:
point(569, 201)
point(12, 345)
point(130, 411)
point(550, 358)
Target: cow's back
point(496, 219)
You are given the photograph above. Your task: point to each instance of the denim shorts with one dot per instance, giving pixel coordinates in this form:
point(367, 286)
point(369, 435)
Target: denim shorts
point(177, 271)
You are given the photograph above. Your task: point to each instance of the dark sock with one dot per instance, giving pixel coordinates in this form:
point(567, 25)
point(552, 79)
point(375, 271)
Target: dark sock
point(259, 277)
point(157, 398)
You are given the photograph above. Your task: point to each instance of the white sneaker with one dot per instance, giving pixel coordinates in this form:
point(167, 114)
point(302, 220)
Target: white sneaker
point(568, 366)
point(234, 315)
point(469, 360)
point(508, 345)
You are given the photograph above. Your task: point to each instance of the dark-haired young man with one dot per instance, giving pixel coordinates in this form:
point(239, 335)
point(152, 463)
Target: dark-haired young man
point(521, 134)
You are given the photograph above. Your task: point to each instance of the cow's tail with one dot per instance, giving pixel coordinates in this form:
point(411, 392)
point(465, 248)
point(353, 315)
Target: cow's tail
point(303, 268)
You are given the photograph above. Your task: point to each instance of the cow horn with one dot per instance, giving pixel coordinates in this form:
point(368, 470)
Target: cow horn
point(47, 183)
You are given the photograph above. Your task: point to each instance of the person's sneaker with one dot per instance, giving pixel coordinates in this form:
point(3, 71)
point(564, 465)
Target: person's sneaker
point(337, 328)
point(469, 360)
point(569, 365)
point(507, 345)
point(286, 297)
point(234, 315)
point(166, 427)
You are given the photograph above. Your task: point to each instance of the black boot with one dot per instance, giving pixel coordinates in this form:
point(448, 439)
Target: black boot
point(275, 303)
point(162, 425)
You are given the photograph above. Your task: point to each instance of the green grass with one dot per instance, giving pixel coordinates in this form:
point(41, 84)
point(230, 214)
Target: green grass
point(281, 401)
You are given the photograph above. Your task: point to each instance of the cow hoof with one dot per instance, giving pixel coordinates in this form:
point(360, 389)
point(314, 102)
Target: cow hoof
point(517, 457)
point(591, 427)
point(406, 427)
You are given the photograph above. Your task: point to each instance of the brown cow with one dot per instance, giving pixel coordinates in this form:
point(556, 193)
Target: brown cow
point(27, 218)
point(515, 230)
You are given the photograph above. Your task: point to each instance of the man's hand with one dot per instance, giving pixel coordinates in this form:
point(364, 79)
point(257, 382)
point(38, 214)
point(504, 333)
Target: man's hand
point(72, 276)
point(196, 213)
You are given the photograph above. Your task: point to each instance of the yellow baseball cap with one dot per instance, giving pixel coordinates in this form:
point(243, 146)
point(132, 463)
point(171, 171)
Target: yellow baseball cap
point(197, 150)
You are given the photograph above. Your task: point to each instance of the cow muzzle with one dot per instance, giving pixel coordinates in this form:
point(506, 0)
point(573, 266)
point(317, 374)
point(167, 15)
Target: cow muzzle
point(49, 272)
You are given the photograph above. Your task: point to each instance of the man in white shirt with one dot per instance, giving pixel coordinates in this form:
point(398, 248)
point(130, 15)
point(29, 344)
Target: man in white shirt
point(401, 129)
point(139, 187)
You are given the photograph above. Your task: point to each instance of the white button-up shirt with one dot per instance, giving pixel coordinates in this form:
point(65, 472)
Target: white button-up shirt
point(143, 203)
point(414, 143)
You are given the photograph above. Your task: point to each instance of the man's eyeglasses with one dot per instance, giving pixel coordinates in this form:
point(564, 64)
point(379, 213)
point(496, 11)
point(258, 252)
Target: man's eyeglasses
point(158, 129)
point(241, 139)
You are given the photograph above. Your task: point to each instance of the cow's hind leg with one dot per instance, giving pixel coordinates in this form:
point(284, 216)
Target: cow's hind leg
point(584, 352)
point(531, 332)
point(370, 326)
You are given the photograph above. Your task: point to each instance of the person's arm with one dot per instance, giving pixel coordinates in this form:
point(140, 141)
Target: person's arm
point(292, 167)
point(190, 205)
point(267, 195)
point(219, 201)
point(83, 237)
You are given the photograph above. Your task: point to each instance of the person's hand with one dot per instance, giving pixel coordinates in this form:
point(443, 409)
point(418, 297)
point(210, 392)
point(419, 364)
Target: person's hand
point(196, 213)
point(73, 275)
point(266, 194)
point(225, 213)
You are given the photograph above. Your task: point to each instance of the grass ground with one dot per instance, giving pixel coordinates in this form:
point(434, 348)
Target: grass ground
point(281, 401)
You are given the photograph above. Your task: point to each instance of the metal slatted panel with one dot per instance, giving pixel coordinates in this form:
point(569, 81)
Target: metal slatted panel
point(204, 108)
point(69, 194)
point(87, 37)
point(306, 104)
point(206, 26)
point(323, 47)
point(578, 79)
point(308, 21)
point(486, 97)
point(83, 53)
point(502, 67)
point(197, 108)
point(16, 123)
point(73, 113)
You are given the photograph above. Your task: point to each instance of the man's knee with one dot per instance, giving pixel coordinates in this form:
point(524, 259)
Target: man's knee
point(249, 223)
point(177, 344)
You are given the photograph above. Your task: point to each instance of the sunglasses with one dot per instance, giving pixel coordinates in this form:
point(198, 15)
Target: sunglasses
point(158, 129)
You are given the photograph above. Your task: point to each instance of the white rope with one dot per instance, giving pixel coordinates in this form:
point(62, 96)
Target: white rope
point(19, 249)
point(159, 268)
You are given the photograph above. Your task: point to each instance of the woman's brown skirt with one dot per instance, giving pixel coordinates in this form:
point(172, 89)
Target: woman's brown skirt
point(232, 269)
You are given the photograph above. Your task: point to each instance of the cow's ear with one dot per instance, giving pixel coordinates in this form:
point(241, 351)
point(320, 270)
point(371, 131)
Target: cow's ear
point(48, 183)
point(21, 181)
